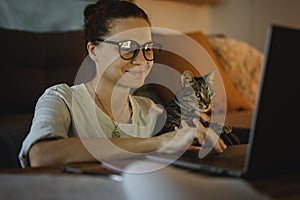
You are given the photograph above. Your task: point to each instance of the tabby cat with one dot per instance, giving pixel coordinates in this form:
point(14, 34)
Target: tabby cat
point(195, 94)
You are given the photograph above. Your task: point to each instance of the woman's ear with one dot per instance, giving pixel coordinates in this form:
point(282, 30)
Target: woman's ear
point(91, 49)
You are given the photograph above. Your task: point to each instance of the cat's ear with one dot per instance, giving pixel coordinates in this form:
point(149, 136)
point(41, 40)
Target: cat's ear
point(186, 78)
point(210, 77)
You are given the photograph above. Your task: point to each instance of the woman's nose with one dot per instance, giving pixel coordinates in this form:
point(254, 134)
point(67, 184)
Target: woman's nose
point(139, 59)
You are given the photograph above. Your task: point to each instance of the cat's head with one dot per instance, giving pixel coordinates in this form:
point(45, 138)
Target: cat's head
point(197, 93)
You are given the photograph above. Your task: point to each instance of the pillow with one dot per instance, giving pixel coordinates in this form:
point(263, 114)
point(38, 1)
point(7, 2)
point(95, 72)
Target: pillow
point(241, 62)
point(235, 101)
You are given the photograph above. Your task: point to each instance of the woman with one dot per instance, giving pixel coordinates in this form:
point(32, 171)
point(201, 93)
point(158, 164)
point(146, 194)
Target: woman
point(118, 40)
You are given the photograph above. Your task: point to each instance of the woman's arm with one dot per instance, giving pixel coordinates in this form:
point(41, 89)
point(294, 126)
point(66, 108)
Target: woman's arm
point(68, 150)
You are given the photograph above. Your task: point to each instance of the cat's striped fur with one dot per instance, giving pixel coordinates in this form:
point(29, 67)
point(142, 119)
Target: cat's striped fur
point(195, 94)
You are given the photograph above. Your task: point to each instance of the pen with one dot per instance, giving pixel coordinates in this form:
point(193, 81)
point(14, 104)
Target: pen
point(75, 170)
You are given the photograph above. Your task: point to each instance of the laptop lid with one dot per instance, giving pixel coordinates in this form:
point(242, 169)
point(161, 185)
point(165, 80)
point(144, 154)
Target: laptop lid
point(273, 143)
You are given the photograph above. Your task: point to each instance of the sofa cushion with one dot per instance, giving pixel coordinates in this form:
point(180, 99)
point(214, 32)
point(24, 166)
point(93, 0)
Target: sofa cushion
point(33, 61)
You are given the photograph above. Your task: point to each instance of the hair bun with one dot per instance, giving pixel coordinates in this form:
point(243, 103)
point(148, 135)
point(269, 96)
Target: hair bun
point(90, 10)
point(98, 16)
point(103, 2)
point(100, 6)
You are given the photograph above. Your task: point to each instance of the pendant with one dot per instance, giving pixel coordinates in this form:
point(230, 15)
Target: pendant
point(116, 133)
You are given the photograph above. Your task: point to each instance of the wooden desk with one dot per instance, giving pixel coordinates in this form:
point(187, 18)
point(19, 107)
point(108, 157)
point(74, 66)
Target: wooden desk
point(280, 187)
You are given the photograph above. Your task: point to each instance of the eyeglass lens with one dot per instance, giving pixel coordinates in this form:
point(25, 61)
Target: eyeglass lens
point(130, 49)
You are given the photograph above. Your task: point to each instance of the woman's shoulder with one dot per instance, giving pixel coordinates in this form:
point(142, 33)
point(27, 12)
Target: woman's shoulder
point(62, 90)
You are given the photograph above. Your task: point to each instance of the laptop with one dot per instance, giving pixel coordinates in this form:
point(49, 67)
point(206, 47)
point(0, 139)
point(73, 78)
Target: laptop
point(273, 147)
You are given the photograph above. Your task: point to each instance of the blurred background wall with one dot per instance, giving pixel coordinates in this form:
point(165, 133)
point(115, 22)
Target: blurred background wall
point(245, 20)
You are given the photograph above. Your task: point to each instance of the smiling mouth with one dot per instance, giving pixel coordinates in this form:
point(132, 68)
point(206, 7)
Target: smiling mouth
point(136, 73)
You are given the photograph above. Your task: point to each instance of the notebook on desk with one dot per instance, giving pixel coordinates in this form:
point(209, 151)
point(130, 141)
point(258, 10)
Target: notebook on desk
point(273, 145)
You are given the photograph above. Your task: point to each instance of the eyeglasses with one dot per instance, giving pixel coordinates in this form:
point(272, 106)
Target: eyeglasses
point(129, 49)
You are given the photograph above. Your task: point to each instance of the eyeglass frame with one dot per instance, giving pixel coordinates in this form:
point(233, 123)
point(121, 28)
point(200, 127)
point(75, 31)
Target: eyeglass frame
point(136, 51)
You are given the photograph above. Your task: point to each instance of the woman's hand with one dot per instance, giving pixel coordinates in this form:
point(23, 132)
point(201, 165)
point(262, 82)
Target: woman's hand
point(181, 139)
point(207, 136)
point(177, 140)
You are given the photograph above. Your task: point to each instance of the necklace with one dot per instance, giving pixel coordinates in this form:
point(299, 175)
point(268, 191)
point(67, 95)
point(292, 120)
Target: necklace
point(115, 132)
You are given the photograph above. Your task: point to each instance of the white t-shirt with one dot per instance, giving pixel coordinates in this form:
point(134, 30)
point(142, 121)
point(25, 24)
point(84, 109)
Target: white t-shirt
point(64, 111)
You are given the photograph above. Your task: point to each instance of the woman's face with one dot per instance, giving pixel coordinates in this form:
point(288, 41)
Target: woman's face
point(113, 69)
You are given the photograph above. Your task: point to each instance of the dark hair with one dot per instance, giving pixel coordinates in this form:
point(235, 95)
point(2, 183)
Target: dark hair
point(98, 17)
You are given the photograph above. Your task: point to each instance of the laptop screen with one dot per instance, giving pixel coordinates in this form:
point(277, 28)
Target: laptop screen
point(275, 125)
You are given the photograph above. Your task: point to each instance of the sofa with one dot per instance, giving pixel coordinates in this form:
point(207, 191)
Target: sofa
point(33, 61)
point(30, 62)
